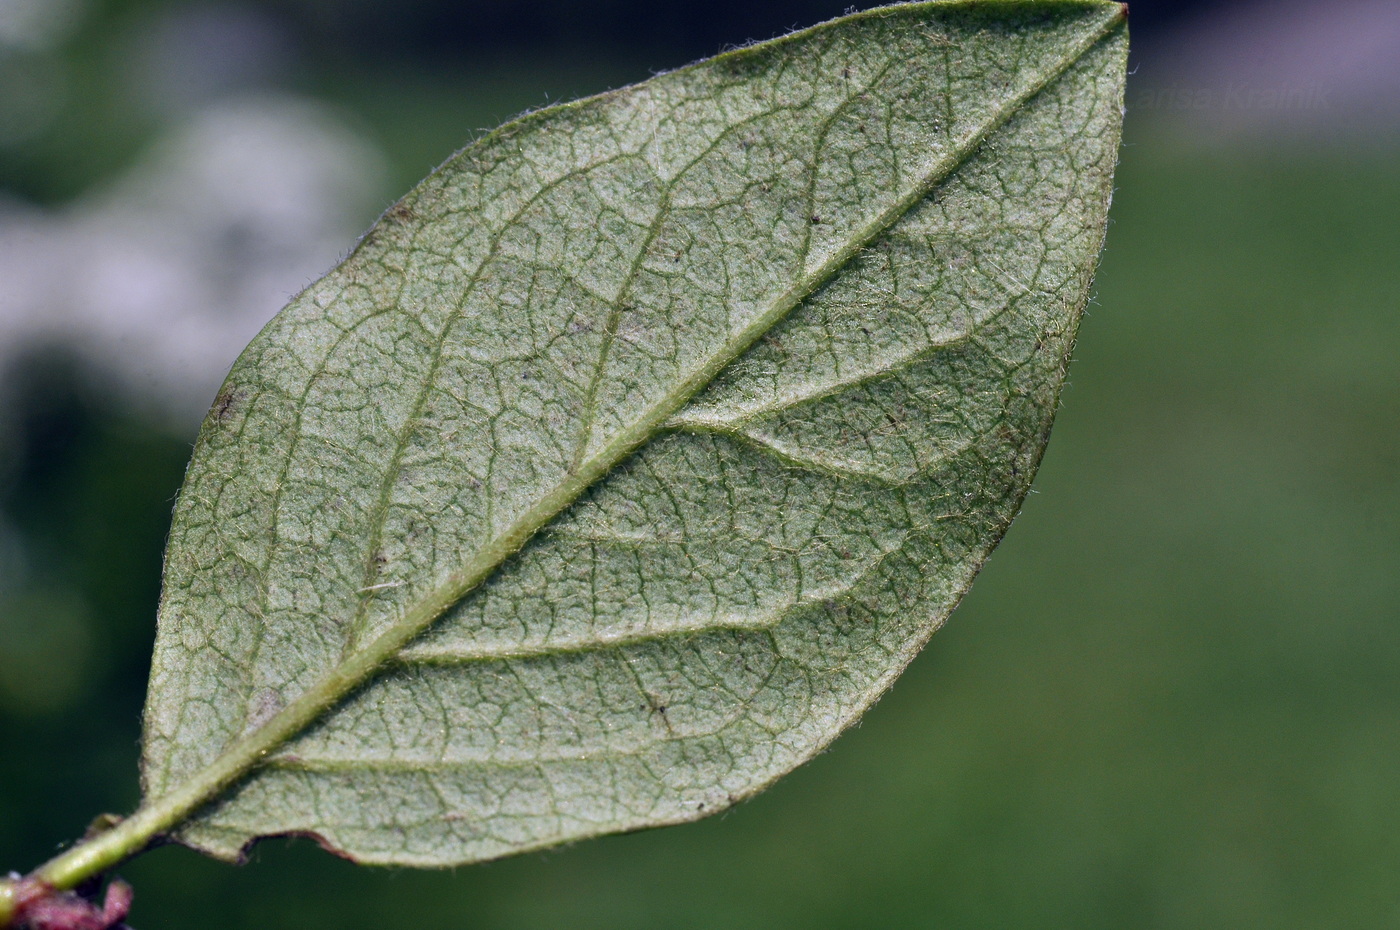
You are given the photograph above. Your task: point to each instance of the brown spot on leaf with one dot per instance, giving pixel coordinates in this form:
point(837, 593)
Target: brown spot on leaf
point(226, 403)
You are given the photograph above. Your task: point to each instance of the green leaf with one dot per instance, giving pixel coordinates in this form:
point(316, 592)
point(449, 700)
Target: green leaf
point(631, 456)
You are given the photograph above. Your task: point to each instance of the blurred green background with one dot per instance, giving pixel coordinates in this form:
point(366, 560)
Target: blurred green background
point(1171, 701)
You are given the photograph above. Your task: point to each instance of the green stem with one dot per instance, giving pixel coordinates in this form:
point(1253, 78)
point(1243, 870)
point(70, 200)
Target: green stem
point(100, 853)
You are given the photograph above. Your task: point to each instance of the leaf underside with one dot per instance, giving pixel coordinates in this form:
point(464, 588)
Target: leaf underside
point(632, 455)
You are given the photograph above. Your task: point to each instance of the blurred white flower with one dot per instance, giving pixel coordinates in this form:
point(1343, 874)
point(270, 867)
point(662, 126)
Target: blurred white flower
point(162, 278)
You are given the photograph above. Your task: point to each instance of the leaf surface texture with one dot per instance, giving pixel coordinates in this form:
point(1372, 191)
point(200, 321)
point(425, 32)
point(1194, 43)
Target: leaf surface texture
point(629, 458)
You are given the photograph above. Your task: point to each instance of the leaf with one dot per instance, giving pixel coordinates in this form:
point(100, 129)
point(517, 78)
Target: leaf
point(629, 458)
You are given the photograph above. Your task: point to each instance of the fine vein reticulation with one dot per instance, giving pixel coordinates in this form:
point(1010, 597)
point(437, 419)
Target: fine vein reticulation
point(631, 456)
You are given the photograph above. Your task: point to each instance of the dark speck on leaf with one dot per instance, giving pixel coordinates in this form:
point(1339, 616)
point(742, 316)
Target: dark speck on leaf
point(225, 403)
